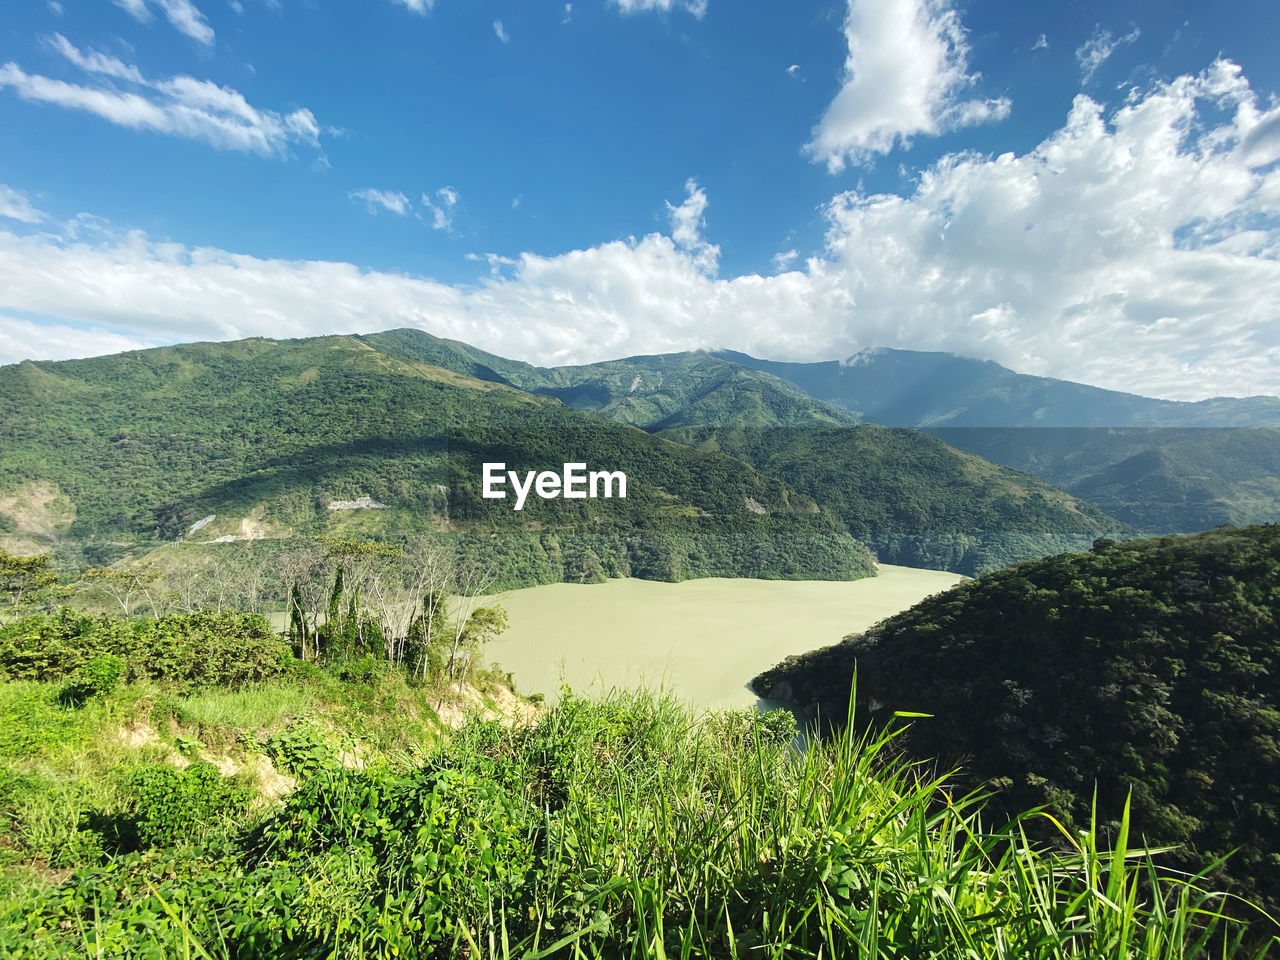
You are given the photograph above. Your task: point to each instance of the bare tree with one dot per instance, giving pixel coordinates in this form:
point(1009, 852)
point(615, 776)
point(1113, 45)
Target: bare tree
point(125, 585)
point(469, 584)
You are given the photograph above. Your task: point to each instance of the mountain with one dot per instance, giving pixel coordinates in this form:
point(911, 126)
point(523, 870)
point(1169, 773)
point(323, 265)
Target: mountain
point(913, 499)
point(908, 388)
point(1144, 669)
point(1160, 480)
point(652, 393)
point(1161, 465)
point(263, 439)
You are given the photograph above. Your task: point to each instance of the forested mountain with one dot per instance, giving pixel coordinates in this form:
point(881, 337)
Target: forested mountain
point(1158, 465)
point(653, 393)
point(331, 436)
point(1146, 667)
point(910, 388)
point(912, 498)
point(1161, 480)
point(385, 435)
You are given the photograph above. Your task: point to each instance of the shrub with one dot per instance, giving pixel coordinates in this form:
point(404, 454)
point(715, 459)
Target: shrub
point(174, 806)
point(94, 679)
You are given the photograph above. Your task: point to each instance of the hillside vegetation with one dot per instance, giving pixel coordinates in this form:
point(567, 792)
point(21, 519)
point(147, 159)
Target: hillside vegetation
point(1145, 669)
point(1167, 480)
point(915, 500)
point(624, 827)
point(912, 388)
point(653, 392)
point(266, 438)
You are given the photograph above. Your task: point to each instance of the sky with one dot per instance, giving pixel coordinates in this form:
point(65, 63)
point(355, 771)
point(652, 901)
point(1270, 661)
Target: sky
point(1082, 190)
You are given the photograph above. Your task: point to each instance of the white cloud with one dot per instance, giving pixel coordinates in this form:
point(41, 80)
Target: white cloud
point(1094, 52)
point(93, 62)
point(441, 209)
point(696, 7)
point(500, 31)
point(793, 69)
point(20, 338)
point(183, 15)
point(904, 75)
point(1137, 249)
point(181, 106)
point(187, 19)
point(1042, 43)
point(391, 200)
point(686, 227)
point(568, 13)
point(15, 206)
point(56, 7)
point(783, 259)
point(135, 8)
point(417, 6)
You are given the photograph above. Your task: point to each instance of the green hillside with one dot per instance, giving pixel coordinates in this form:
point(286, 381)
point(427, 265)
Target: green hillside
point(1146, 668)
point(912, 388)
point(1161, 480)
point(289, 439)
point(653, 393)
point(913, 499)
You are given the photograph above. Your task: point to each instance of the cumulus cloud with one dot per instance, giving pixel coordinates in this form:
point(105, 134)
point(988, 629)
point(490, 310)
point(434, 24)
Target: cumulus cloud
point(500, 31)
point(1095, 51)
point(905, 75)
point(15, 206)
point(1137, 248)
point(183, 15)
point(180, 106)
point(687, 224)
point(374, 200)
point(696, 7)
point(59, 341)
point(417, 6)
point(1042, 43)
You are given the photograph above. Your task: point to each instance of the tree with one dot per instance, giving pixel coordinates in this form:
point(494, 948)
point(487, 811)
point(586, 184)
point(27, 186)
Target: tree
point(124, 585)
point(22, 578)
point(484, 624)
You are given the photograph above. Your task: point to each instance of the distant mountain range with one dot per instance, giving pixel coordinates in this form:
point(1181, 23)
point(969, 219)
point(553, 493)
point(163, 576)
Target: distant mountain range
point(1162, 466)
point(908, 388)
point(383, 435)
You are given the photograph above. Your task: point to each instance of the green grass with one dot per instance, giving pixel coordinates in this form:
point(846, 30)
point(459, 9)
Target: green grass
point(629, 826)
point(257, 708)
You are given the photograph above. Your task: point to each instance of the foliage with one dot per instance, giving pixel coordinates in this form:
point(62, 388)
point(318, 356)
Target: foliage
point(149, 444)
point(623, 827)
point(1143, 668)
point(301, 748)
point(96, 677)
point(23, 579)
point(175, 806)
point(190, 650)
point(913, 499)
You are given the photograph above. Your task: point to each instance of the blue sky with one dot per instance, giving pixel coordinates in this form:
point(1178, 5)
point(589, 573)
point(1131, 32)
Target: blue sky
point(1081, 190)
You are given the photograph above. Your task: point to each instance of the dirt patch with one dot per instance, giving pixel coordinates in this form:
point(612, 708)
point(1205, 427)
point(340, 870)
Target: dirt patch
point(137, 736)
point(500, 704)
point(272, 784)
point(40, 513)
point(755, 506)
